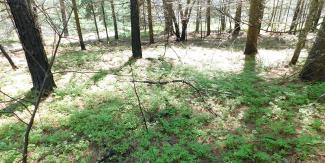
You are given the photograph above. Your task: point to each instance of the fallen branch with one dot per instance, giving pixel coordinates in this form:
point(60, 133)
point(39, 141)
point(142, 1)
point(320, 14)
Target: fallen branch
point(14, 67)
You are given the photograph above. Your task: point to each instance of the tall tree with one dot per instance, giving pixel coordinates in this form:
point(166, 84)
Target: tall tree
point(295, 15)
point(314, 69)
point(208, 17)
point(255, 21)
point(31, 39)
point(64, 17)
point(319, 13)
point(238, 18)
point(304, 32)
point(76, 17)
point(185, 17)
point(102, 4)
point(198, 17)
point(135, 29)
point(168, 17)
point(114, 19)
point(92, 8)
point(151, 36)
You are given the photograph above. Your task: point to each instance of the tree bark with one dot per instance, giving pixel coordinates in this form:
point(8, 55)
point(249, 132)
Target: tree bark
point(135, 29)
point(150, 24)
point(30, 37)
point(238, 18)
point(76, 16)
point(114, 19)
point(64, 17)
point(255, 21)
point(303, 34)
point(208, 17)
point(319, 13)
point(314, 69)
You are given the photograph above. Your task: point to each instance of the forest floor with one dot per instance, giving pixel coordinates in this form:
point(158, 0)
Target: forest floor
point(231, 108)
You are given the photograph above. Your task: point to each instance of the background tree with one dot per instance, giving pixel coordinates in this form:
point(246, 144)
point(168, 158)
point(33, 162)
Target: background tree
point(135, 29)
point(255, 21)
point(151, 35)
point(238, 18)
point(314, 69)
point(76, 16)
point(64, 17)
point(30, 38)
point(208, 17)
point(303, 34)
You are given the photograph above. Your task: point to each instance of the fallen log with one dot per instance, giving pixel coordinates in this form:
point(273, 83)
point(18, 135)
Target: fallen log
point(8, 57)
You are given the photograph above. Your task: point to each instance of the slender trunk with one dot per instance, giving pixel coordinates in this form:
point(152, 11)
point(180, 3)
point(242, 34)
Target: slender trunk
point(168, 16)
point(238, 18)
point(76, 16)
point(151, 36)
point(31, 40)
point(144, 18)
point(287, 16)
point(295, 16)
point(114, 19)
point(135, 29)
point(208, 17)
point(198, 17)
point(319, 13)
point(104, 20)
point(223, 16)
point(303, 34)
point(314, 69)
point(64, 17)
point(95, 19)
point(255, 21)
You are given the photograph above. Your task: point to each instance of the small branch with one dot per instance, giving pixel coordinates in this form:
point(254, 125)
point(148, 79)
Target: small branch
point(14, 67)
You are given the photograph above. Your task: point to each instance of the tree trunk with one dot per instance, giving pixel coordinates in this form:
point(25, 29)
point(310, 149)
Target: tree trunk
point(223, 16)
point(314, 69)
point(295, 16)
point(255, 22)
point(319, 13)
point(114, 19)
point(95, 19)
point(30, 37)
point(151, 36)
point(198, 17)
point(208, 17)
point(104, 19)
point(168, 17)
point(76, 16)
point(303, 34)
point(64, 18)
point(238, 18)
point(135, 29)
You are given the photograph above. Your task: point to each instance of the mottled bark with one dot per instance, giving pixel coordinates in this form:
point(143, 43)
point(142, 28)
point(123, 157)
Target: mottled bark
point(238, 18)
point(314, 69)
point(150, 24)
point(255, 20)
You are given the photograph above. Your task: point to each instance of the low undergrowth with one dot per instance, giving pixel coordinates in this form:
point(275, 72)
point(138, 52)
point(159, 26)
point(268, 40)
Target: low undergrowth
point(257, 120)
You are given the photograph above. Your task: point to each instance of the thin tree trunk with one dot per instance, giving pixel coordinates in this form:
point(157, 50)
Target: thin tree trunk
point(223, 16)
point(255, 20)
point(95, 19)
point(314, 69)
point(319, 13)
point(12, 64)
point(303, 34)
point(198, 17)
point(287, 16)
point(31, 40)
point(64, 17)
point(135, 29)
point(104, 20)
point(76, 16)
point(151, 35)
point(295, 16)
point(208, 17)
point(238, 18)
point(114, 19)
